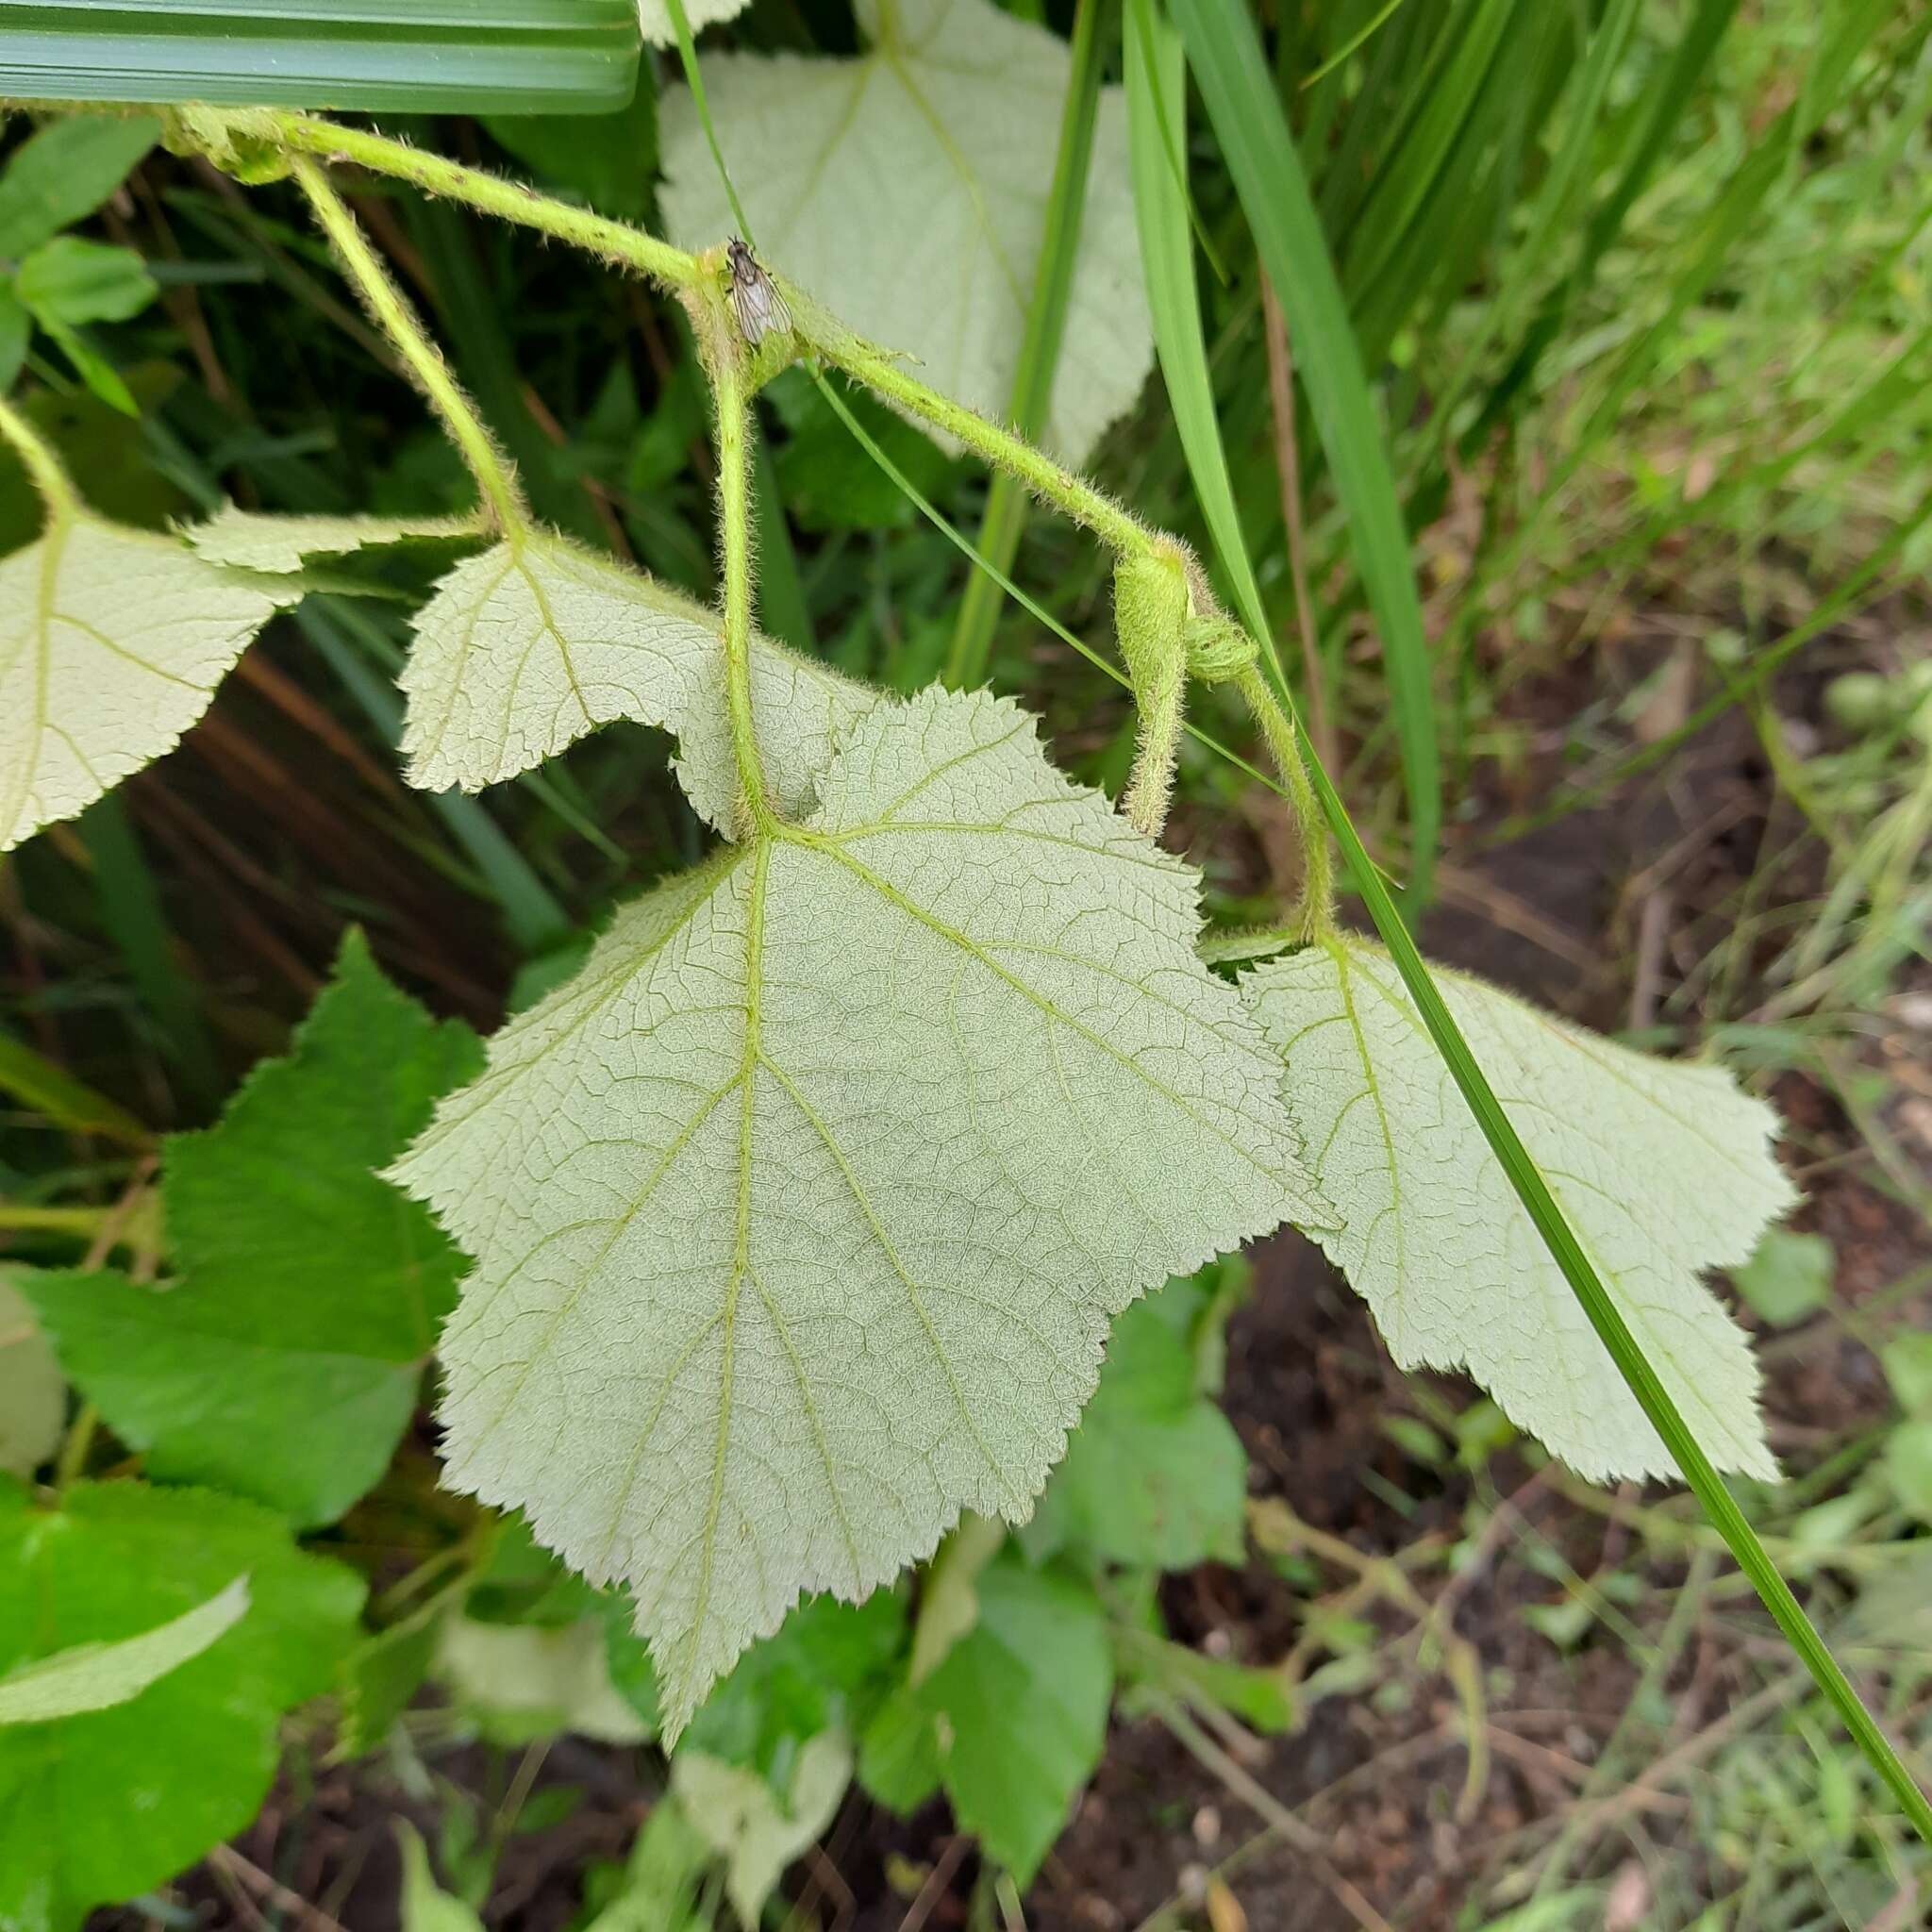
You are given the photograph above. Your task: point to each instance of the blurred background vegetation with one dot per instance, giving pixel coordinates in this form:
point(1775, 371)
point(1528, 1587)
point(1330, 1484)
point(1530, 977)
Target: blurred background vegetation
point(1644, 291)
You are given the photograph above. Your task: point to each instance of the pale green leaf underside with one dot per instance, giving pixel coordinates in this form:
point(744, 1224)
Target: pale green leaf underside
point(279, 545)
point(547, 1679)
point(800, 1214)
point(97, 1677)
point(537, 641)
point(427, 1907)
point(1663, 1168)
point(908, 189)
point(111, 643)
point(754, 1829)
point(33, 1394)
point(654, 16)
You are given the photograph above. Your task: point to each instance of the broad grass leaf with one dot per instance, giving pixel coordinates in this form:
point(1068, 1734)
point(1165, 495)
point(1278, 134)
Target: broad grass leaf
point(801, 1214)
point(33, 1391)
point(1011, 1725)
point(907, 190)
point(103, 1806)
point(97, 1677)
point(111, 643)
point(283, 1365)
point(537, 641)
point(280, 546)
point(1665, 1170)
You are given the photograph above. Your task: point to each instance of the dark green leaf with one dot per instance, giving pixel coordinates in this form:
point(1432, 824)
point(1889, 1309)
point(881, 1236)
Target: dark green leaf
point(16, 327)
point(61, 174)
point(1226, 56)
point(283, 1364)
point(1154, 1475)
point(827, 1665)
point(77, 281)
point(1011, 1722)
point(97, 1809)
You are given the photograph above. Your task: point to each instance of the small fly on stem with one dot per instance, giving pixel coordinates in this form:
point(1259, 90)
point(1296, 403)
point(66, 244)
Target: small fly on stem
point(760, 310)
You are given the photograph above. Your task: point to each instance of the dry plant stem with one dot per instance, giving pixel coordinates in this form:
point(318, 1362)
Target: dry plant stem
point(1288, 466)
point(1283, 1822)
point(392, 315)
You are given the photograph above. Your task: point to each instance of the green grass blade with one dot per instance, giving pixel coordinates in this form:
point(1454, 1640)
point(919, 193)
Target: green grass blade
point(1233, 76)
point(130, 909)
point(1354, 41)
point(1526, 1179)
point(1156, 79)
point(1554, 204)
point(1667, 102)
point(1403, 185)
point(1040, 348)
point(56, 1096)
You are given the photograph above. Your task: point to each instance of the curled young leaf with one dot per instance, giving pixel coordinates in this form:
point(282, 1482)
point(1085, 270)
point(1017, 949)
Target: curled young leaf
point(537, 641)
point(801, 1214)
point(1664, 1170)
point(112, 642)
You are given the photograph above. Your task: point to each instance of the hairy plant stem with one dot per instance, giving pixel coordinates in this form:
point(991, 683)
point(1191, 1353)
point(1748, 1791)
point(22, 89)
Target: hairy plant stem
point(48, 474)
point(1288, 744)
point(486, 463)
point(1071, 494)
point(510, 201)
point(730, 398)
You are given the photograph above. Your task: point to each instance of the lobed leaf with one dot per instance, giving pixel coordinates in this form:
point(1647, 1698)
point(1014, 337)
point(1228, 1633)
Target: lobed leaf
point(537, 641)
point(111, 1804)
point(801, 1214)
point(284, 1364)
point(1664, 1170)
point(111, 643)
point(908, 189)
